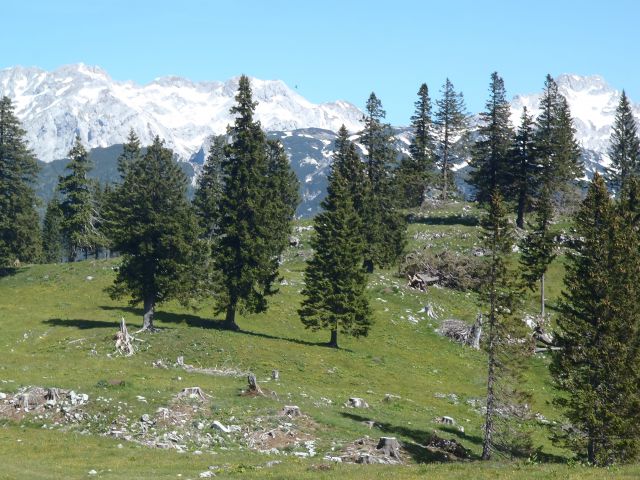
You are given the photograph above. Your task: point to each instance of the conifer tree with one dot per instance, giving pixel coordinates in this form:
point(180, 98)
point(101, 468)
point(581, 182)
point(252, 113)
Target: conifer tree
point(249, 240)
point(19, 223)
point(538, 247)
point(597, 367)
point(52, 240)
point(347, 161)
point(525, 168)
point(335, 282)
point(504, 355)
point(154, 227)
point(131, 152)
point(79, 226)
point(385, 226)
point(491, 153)
point(209, 190)
point(624, 149)
point(450, 118)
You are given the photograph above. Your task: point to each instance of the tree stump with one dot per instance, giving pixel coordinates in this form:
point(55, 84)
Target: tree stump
point(275, 375)
point(123, 340)
point(193, 392)
point(254, 388)
point(291, 411)
point(390, 447)
point(355, 402)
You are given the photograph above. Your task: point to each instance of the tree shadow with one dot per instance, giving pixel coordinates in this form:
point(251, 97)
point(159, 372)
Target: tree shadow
point(416, 447)
point(458, 219)
point(81, 324)
point(214, 324)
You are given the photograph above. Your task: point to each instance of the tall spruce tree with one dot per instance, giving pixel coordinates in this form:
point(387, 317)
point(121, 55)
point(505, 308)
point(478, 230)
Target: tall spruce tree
point(450, 118)
point(555, 143)
point(250, 235)
point(209, 190)
point(52, 239)
point(525, 169)
point(347, 161)
point(79, 226)
point(505, 357)
point(335, 282)
point(416, 171)
point(491, 153)
point(624, 149)
point(597, 366)
point(538, 247)
point(19, 223)
point(131, 152)
point(154, 227)
point(385, 226)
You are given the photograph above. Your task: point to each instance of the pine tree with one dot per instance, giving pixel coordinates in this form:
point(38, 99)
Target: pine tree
point(249, 240)
point(335, 282)
point(19, 223)
point(624, 149)
point(79, 226)
point(504, 355)
point(385, 226)
point(450, 118)
point(52, 240)
point(597, 367)
point(525, 168)
point(416, 171)
point(154, 227)
point(351, 168)
point(556, 147)
point(491, 153)
point(131, 152)
point(209, 190)
point(538, 247)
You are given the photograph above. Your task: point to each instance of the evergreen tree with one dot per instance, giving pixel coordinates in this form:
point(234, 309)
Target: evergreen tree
point(598, 364)
point(385, 226)
point(624, 149)
point(504, 355)
point(556, 147)
point(131, 152)
point(335, 282)
point(154, 227)
point(209, 190)
point(538, 247)
point(491, 153)
point(79, 226)
point(52, 240)
point(19, 223)
point(351, 168)
point(525, 168)
point(416, 170)
point(450, 118)
point(249, 240)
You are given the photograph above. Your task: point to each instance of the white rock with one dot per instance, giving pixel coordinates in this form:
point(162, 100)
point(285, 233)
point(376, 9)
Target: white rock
point(92, 472)
point(219, 426)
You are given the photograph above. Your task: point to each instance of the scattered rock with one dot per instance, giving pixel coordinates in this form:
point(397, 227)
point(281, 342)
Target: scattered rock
point(389, 397)
point(449, 446)
point(291, 411)
point(355, 402)
point(192, 393)
point(444, 420)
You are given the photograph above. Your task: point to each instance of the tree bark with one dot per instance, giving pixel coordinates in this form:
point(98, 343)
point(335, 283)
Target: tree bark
point(230, 318)
point(149, 312)
point(542, 296)
point(521, 207)
point(334, 338)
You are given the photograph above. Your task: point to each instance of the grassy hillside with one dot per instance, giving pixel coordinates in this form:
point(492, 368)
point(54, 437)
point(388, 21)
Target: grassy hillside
point(57, 331)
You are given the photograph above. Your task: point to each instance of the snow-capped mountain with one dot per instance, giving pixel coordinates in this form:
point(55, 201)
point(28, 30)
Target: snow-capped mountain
point(84, 100)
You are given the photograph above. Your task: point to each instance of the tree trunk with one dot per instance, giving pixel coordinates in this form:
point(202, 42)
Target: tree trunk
point(542, 296)
point(334, 338)
point(521, 207)
point(491, 377)
point(368, 266)
point(230, 319)
point(445, 166)
point(149, 311)
point(591, 451)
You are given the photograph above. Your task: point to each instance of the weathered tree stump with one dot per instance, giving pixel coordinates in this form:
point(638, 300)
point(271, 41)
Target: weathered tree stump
point(123, 340)
point(389, 446)
point(275, 375)
point(192, 392)
point(291, 411)
point(254, 388)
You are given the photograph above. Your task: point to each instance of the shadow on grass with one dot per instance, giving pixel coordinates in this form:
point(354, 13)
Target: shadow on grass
point(215, 324)
point(465, 220)
point(81, 324)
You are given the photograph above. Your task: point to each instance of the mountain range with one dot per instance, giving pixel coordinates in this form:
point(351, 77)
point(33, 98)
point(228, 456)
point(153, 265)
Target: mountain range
point(83, 100)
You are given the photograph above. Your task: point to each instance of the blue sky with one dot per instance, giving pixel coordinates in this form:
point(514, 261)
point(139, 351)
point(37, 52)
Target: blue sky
point(332, 50)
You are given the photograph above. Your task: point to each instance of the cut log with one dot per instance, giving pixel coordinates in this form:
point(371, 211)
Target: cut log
point(254, 388)
point(390, 447)
point(291, 411)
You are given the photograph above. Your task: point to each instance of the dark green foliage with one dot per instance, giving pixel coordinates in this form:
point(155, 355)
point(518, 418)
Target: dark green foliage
point(335, 282)
point(450, 118)
point(624, 150)
point(52, 239)
point(131, 152)
point(384, 226)
point(598, 366)
point(252, 230)
point(502, 431)
point(19, 223)
point(525, 169)
point(556, 147)
point(416, 171)
point(79, 226)
point(153, 226)
point(491, 153)
point(209, 191)
point(538, 246)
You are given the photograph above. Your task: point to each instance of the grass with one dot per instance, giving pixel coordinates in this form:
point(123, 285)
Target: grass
point(58, 326)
